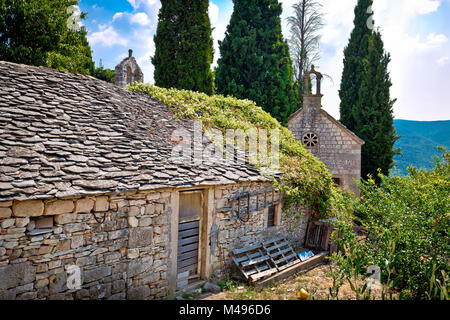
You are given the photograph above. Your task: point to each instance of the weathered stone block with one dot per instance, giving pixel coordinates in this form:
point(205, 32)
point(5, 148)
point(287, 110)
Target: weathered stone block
point(63, 245)
point(133, 253)
point(133, 211)
point(5, 204)
point(41, 283)
point(84, 206)
point(17, 274)
point(59, 207)
point(117, 234)
point(8, 294)
point(118, 286)
point(98, 237)
point(58, 283)
point(82, 294)
point(111, 257)
point(54, 264)
point(74, 227)
point(22, 222)
point(138, 266)
point(96, 273)
point(45, 250)
point(7, 223)
point(150, 209)
point(101, 204)
point(99, 251)
point(5, 213)
point(140, 237)
point(154, 196)
point(29, 208)
point(65, 218)
point(145, 222)
point(77, 242)
point(138, 293)
point(24, 288)
point(27, 296)
point(133, 222)
point(118, 296)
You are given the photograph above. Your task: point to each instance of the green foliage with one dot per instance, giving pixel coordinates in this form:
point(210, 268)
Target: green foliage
point(366, 107)
point(255, 63)
point(184, 47)
point(354, 53)
point(408, 223)
point(305, 179)
point(36, 32)
point(104, 74)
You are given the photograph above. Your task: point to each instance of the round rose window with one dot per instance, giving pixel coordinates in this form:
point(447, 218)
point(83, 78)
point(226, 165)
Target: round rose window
point(310, 140)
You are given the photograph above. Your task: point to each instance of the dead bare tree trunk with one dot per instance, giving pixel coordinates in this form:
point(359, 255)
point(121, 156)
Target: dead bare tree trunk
point(305, 25)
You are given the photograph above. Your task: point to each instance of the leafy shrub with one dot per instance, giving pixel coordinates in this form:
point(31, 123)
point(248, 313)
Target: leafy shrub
point(305, 178)
point(408, 223)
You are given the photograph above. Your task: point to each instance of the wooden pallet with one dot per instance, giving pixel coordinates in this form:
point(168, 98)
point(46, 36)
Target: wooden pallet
point(318, 235)
point(253, 262)
point(280, 252)
point(264, 259)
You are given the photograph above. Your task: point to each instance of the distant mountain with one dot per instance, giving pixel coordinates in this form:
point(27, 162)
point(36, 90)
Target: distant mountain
point(419, 142)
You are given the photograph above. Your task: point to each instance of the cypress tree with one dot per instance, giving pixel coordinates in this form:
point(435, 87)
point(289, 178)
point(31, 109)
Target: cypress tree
point(184, 47)
point(354, 53)
point(255, 63)
point(366, 107)
point(373, 112)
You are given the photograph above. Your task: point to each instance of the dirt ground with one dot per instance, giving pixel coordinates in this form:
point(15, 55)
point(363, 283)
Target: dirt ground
point(316, 282)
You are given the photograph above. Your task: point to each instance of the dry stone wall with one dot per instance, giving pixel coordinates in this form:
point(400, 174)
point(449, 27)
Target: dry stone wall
point(228, 232)
point(126, 257)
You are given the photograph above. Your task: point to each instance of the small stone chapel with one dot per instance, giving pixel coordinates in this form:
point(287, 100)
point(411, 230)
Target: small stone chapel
point(326, 138)
point(128, 71)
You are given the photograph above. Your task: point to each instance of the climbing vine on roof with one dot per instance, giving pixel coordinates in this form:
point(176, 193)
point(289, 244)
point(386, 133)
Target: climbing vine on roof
point(305, 179)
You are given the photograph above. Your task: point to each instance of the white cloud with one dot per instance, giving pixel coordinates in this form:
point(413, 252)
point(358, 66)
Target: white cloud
point(140, 18)
point(118, 15)
point(213, 12)
point(136, 4)
point(107, 37)
point(425, 6)
point(443, 61)
point(435, 40)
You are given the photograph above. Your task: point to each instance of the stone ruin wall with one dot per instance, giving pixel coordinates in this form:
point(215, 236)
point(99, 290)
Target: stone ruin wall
point(126, 257)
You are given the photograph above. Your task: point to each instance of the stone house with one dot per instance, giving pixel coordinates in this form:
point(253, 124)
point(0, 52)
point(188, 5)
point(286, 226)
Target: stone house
point(91, 205)
point(327, 138)
point(128, 71)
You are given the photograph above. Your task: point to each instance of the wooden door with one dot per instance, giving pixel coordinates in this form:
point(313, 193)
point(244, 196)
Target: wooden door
point(189, 226)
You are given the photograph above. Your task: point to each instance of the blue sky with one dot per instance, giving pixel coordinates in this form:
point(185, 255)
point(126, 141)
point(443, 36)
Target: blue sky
point(416, 34)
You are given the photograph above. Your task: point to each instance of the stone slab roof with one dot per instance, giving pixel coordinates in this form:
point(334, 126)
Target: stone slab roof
point(63, 134)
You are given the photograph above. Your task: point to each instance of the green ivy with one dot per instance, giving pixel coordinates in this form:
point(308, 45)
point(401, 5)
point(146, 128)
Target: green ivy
point(305, 179)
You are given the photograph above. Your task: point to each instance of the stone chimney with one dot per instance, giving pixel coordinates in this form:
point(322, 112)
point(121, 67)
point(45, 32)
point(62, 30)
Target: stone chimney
point(312, 100)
